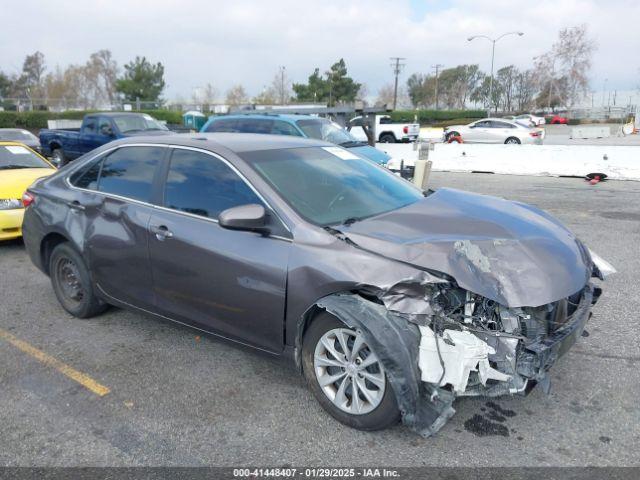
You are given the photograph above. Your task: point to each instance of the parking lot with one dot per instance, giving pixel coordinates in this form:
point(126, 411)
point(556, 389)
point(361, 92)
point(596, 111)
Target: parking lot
point(172, 396)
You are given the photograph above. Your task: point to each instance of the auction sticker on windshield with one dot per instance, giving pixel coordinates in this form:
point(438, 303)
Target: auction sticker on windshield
point(17, 149)
point(341, 153)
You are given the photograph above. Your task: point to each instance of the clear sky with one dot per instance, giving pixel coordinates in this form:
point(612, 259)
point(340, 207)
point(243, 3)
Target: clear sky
point(245, 41)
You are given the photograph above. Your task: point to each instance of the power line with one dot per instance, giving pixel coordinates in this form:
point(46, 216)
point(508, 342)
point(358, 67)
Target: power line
point(397, 68)
point(437, 68)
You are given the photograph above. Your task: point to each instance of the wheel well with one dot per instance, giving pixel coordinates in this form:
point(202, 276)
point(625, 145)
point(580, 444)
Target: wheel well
point(49, 242)
point(310, 315)
point(382, 134)
point(54, 145)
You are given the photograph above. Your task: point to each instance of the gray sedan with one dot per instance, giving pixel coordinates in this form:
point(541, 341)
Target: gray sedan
point(20, 135)
point(391, 301)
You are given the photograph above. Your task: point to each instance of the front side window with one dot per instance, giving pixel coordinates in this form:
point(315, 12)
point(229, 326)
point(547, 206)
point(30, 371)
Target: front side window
point(104, 126)
point(129, 171)
point(204, 185)
point(323, 129)
point(330, 185)
point(284, 128)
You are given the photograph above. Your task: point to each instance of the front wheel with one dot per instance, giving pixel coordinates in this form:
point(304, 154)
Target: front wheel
point(512, 141)
point(346, 376)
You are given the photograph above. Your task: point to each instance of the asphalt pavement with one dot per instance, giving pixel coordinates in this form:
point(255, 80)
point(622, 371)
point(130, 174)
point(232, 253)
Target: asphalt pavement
point(178, 397)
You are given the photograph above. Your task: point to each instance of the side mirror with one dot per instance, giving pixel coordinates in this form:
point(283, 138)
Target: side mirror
point(250, 218)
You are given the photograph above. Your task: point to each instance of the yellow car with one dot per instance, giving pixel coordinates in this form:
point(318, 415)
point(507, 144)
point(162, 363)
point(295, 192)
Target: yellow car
point(19, 167)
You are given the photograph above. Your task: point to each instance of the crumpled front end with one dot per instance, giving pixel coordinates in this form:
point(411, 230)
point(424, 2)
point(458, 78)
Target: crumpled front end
point(438, 341)
point(474, 346)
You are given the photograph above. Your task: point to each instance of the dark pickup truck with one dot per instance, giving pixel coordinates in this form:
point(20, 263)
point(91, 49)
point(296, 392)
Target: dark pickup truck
point(64, 145)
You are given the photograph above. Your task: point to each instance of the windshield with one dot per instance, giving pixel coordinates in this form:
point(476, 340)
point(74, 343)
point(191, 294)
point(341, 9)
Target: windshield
point(17, 156)
point(330, 185)
point(323, 129)
point(17, 135)
point(137, 123)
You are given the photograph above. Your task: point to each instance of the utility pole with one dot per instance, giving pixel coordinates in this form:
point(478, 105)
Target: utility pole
point(397, 68)
point(437, 68)
point(282, 85)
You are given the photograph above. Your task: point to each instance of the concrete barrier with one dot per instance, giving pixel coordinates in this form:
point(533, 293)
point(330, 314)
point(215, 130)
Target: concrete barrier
point(590, 132)
point(617, 162)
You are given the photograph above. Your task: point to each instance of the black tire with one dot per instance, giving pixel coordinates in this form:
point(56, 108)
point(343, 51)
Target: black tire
point(72, 284)
point(387, 138)
point(383, 416)
point(512, 141)
point(58, 157)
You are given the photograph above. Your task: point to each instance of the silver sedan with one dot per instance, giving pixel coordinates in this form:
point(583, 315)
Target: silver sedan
point(494, 130)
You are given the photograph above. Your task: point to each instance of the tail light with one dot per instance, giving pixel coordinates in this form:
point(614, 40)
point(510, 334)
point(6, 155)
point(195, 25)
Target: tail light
point(405, 129)
point(27, 199)
point(534, 134)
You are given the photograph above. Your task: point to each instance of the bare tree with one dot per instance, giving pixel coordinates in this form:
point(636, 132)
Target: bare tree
point(563, 72)
point(236, 96)
point(385, 95)
point(205, 95)
point(281, 87)
point(102, 73)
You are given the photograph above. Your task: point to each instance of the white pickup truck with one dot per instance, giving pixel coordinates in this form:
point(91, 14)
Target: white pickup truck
point(385, 130)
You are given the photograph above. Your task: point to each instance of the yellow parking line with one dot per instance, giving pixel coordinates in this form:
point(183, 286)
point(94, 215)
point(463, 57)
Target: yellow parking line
point(62, 367)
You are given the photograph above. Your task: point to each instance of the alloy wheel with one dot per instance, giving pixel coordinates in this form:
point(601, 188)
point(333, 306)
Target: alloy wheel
point(348, 372)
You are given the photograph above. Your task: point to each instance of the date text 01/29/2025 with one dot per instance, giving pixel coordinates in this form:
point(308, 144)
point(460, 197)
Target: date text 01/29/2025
point(316, 472)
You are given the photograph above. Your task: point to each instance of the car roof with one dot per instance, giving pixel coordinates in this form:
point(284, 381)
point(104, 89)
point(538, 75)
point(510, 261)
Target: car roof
point(236, 142)
point(287, 117)
point(116, 114)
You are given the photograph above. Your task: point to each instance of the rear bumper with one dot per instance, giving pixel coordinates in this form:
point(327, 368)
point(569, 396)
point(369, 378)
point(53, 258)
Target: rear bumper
point(11, 223)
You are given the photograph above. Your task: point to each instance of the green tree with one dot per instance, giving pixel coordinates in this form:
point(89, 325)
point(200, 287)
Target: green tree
point(141, 80)
point(5, 85)
point(335, 86)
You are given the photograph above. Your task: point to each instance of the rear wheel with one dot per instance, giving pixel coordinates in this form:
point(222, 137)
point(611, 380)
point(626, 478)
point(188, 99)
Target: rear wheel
point(72, 284)
point(387, 138)
point(57, 155)
point(346, 376)
point(512, 141)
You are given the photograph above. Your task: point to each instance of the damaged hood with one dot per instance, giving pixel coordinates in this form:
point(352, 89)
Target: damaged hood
point(509, 252)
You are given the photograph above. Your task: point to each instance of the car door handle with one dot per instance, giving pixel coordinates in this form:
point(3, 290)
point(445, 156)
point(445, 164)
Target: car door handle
point(76, 205)
point(161, 232)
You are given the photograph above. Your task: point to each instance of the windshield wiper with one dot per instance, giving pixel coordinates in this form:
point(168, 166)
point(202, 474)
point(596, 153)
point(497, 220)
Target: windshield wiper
point(351, 220)
point(11, 167)
point(352, 143)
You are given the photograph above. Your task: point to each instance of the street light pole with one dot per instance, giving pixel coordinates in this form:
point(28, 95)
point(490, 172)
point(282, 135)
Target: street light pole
point(493, 53)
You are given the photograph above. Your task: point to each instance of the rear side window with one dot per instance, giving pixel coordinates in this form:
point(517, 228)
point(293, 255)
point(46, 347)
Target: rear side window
point(87, 177)
point(255, 125)
point(495, 124)
point(204, 185)
point(224, 125)
point(129, 171)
